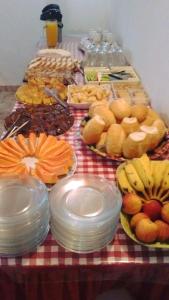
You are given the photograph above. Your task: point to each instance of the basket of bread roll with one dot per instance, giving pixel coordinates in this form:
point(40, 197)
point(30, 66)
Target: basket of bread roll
point(120, 131)
point(144, 184)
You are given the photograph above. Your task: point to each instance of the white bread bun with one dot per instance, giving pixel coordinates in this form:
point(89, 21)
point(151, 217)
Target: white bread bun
point(120, 108)
point(114, 140)
point(150, 118)
point(93, 130)
point(106, 115)
point(130, 125)
point(139, 111)
point(159, 124)
point(135, 145)
point(94, 104)
point(153, 136)
point(101, 145)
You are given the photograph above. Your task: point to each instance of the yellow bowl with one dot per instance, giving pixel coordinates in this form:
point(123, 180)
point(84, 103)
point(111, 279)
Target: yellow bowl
point(126, 226)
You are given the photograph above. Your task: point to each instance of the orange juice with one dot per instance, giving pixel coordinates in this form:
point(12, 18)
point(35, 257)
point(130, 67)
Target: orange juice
point(51, 33)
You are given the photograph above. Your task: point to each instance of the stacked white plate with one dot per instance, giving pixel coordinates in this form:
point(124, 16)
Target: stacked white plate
point(84, 212)
point(24, 215)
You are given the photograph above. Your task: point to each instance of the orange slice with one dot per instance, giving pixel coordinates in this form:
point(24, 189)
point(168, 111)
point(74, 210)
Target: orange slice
point(23, 144)
point(32, 143)
point(40, 141)
point(11, 150)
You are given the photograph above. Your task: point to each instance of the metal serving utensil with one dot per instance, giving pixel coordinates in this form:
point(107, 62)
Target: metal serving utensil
point(53, 93)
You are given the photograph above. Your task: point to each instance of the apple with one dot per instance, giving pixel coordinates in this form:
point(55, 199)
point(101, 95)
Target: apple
point(163, 230)
point(146, 231)
point(165, 212)
point(136, 218)
point(152, 209)
point(132, 204)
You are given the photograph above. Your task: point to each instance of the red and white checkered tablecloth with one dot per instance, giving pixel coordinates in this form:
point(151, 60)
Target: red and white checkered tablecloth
point(121, 250)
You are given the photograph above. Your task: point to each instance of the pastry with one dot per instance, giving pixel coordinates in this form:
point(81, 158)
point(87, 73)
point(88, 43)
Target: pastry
point(130, 125)
point(139, 111)
point(114, 140)
point(105, 114)
point(135, 145)
point(153, 136)
point(120, 108)
point(93, 130)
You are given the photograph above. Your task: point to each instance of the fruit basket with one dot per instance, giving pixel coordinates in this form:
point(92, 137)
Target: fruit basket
point(145, 210)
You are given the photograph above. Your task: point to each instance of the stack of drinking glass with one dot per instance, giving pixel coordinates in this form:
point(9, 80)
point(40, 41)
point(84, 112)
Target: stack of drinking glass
point(24, 215)
point(84, 213)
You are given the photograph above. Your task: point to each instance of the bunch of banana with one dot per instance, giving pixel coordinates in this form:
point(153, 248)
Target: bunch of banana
point(151, 178)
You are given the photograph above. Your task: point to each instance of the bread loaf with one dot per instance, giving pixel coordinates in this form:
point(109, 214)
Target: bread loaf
point(153, 136)
point(120, 109)
point(114, 140)
point(159, 124)
point(106, 115)
point(130, 125)
point(93, 130)
point(101, 145)
point(139, 111)
point(135, 145)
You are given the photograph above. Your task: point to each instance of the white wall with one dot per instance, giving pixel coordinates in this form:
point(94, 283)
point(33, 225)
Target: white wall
point(143, 28)
point(20, 29)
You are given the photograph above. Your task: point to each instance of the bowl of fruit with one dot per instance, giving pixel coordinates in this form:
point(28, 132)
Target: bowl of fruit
point(144, 184)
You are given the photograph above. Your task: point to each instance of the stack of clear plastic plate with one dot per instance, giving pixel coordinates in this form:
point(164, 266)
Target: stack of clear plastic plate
point(84, 212)
point(24, 215)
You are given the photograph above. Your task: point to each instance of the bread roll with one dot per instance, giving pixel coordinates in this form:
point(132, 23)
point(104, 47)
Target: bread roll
point(135, 145)
point(130, 125)
point(97, 103)
point(153, 136)
point(139, 111)
point(101, 145)
point(120, 108)
point(106, 115)
point(114, 140)
point(150, 118)
point(93, 130)
point(159, 124)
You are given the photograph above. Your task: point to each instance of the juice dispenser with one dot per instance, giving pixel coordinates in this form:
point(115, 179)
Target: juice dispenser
point(52, 16)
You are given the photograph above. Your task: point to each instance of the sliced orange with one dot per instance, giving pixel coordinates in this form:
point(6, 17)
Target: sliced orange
point(32, 143)
point(40, 141)
point(23, 144)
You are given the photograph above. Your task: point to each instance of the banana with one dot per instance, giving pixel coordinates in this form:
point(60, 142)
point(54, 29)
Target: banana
point(158, 169)
point(134, 179)
point(123, 181)
point(144, 172)
point(165, 182)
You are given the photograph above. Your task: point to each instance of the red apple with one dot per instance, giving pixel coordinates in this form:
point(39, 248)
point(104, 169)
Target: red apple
point(132, 204)
point(165, 213)
point(163, 230)
point(146, 231)
point(136, 218)
point(152, 209)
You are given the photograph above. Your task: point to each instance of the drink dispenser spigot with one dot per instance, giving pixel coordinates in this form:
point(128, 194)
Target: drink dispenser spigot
point(52, 16)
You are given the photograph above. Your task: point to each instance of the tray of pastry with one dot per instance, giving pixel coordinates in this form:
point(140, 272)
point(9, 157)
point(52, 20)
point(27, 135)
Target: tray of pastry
point(133, 92)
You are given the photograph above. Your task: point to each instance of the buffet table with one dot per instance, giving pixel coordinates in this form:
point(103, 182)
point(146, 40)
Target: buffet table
point(52, 272)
